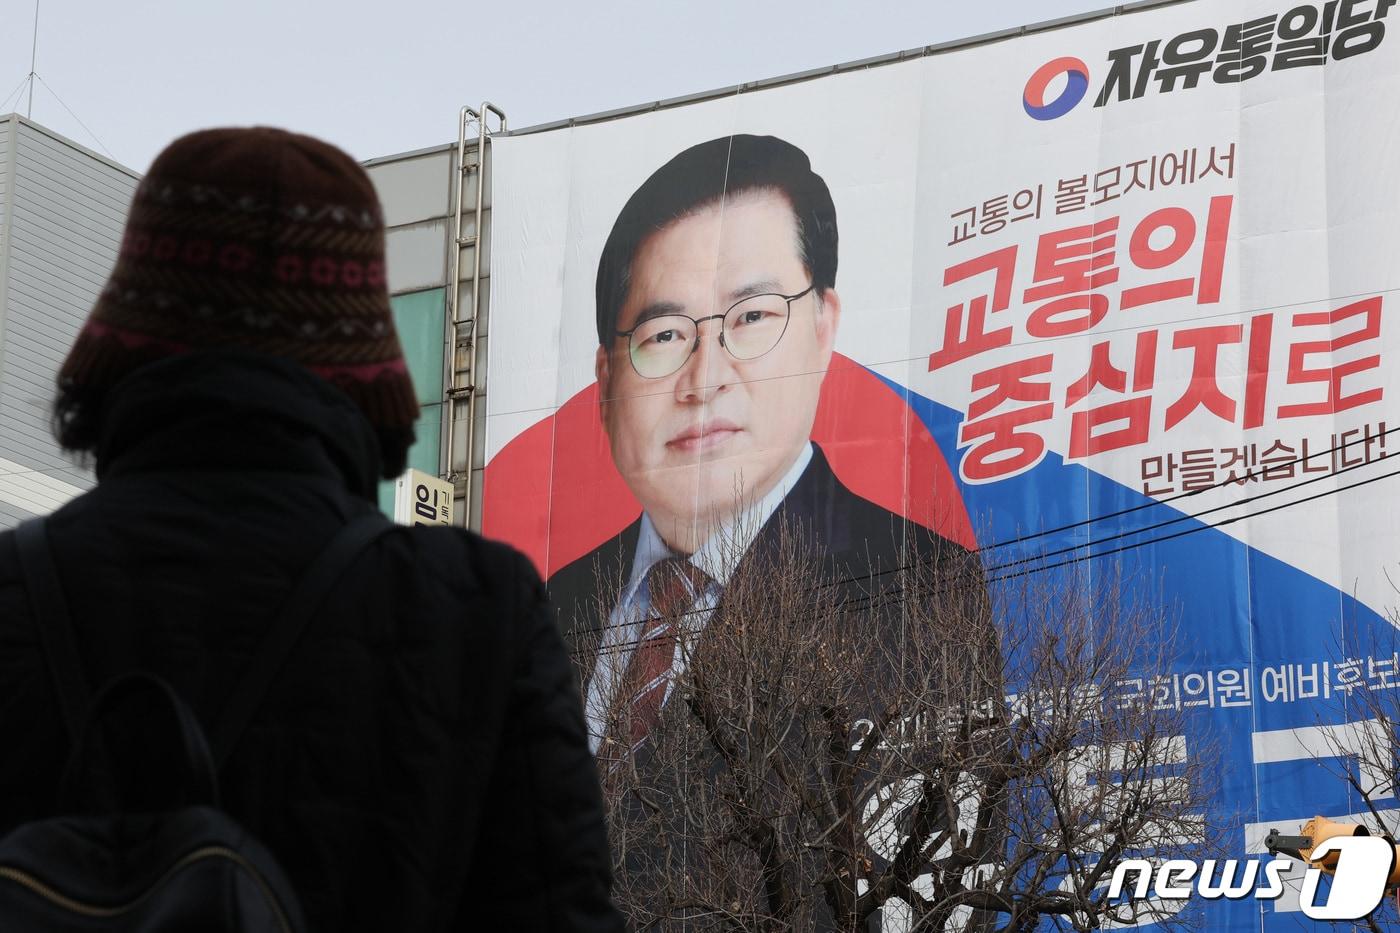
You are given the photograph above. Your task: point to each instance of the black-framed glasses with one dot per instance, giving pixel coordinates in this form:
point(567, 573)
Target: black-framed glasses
point(659, 346)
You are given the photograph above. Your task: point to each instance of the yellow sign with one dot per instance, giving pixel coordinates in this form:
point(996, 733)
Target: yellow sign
point(422, 499)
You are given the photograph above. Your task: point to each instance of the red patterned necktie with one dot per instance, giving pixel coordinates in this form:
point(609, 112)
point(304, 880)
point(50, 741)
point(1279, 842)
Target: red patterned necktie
point(673, 584)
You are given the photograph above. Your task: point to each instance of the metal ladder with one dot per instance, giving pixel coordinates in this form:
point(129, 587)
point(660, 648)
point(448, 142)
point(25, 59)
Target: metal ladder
point(460, 356)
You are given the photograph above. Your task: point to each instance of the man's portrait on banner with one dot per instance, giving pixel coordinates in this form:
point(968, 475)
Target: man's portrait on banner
point(717, 314)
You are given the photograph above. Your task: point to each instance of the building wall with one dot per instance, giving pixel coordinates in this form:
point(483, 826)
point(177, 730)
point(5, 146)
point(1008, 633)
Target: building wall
point(416, 190)
point(62, 208)
point(418, 317)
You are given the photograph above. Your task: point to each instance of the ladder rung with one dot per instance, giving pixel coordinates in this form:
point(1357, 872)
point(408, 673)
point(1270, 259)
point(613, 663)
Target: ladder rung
point(465, 241)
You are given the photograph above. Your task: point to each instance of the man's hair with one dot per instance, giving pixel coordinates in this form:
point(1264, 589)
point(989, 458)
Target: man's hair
point(701, 176)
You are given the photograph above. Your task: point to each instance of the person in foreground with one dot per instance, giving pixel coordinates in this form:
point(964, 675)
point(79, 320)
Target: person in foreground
point(421, 761)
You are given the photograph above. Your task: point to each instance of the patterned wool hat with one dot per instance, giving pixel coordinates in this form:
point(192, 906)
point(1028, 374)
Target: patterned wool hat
point(259, 239)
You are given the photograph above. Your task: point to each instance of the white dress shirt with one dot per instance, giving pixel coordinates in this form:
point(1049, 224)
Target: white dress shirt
point(717, 557)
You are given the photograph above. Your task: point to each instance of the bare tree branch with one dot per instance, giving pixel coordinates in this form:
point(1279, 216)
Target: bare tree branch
point(838, 749)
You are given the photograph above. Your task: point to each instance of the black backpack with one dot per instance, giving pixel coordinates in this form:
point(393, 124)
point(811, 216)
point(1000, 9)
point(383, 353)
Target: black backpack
point(142, 844)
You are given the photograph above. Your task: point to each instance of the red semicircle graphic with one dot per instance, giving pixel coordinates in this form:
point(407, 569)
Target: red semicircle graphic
point(554, 493)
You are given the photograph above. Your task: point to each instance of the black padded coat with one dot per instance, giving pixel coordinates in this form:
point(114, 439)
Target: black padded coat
point(421, 762)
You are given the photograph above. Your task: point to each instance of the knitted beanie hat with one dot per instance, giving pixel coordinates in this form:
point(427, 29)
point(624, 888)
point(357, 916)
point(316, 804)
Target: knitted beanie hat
point(258, 239)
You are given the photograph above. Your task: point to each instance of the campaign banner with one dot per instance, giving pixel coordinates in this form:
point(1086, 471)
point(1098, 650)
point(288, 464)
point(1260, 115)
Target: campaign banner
point(1116, 291)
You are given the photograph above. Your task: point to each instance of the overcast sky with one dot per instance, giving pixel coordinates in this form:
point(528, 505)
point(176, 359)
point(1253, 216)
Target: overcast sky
point(384, 77)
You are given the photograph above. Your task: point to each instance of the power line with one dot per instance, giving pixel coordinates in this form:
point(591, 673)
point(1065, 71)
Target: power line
point(873, 601)
point(1220, 524)
point(1248, 477)
point(1116, 537)
point(897, 594)
point(13, 94)
point(1181, 518)
point(1180, 534)
point(34, 76)
point(74, 116)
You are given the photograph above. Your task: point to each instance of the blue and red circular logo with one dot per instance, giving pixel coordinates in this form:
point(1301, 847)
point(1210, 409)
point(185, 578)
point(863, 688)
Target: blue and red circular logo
point(1037, 107)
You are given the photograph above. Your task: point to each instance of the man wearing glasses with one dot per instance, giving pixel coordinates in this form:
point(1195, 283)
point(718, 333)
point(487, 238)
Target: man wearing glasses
point(717, 316)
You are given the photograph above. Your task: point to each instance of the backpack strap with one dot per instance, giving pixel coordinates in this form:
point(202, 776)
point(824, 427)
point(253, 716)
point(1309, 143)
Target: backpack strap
point(55, 626)
point(166, 757)
point(292, 620)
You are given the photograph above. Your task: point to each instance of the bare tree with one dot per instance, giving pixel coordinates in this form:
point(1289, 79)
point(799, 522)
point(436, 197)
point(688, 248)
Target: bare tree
point(886, 752)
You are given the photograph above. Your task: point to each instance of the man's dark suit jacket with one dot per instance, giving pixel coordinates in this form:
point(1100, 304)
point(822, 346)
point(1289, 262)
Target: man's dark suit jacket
point(861, 544)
